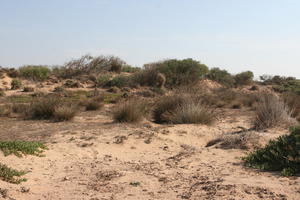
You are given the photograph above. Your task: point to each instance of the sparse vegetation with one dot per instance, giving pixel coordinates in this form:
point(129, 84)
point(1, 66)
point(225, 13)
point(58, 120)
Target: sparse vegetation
point(20, 148)
point(9, 175)
point(281, 154)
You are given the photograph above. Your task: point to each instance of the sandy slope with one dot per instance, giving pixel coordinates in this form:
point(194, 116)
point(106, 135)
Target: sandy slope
point(93, 158)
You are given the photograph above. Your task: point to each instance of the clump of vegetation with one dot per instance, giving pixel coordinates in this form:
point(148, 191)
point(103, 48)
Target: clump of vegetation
point(20, 148)
point(166, 105)
point(281, 154)
point(191, 113)
point(9, 175)
point(221, 76)
point(88, 65)
point(28, 89)
point(270, 112)
point(16, 84)
point(180, 72)
point(35, 72)
point(93, 104)
point(55, 108)
point(149, 77)
point(64, 113)
point(244, 78)
point(292, 100)
point(130, 111)
point(183, 109)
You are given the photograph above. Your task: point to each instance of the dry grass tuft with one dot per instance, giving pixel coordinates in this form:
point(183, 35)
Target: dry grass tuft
point(64, 113)
point(271, 112)
point(184, 108)
point(191, 113)
point(130, 111)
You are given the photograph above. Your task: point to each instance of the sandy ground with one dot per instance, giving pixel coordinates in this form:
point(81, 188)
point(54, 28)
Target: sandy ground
point(93, 158)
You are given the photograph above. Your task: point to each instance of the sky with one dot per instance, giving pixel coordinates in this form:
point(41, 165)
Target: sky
point(237, 35)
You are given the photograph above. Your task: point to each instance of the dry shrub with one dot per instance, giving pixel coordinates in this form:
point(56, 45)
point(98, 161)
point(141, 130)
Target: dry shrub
point(292, 100)
point(94, 104)
point(130, 111)
point(183, 109)
point(271, 112)
point(147, 77)
point(54, 107)
point(191, 113)
point(166, 105)
point(64, 113)
point(244, 140)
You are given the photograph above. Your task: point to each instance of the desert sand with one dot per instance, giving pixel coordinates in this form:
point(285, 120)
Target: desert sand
point(93, 158)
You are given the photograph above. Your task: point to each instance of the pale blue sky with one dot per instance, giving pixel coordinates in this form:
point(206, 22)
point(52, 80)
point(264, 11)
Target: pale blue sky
point(237, 35)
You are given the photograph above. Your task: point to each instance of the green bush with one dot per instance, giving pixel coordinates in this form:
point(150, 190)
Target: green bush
point(244, 78)
point(8, 174)
point(281, 154)
point(35, 72)
point(221, 76)
point(20, 148)
point(16, 84)
point(180, 72)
